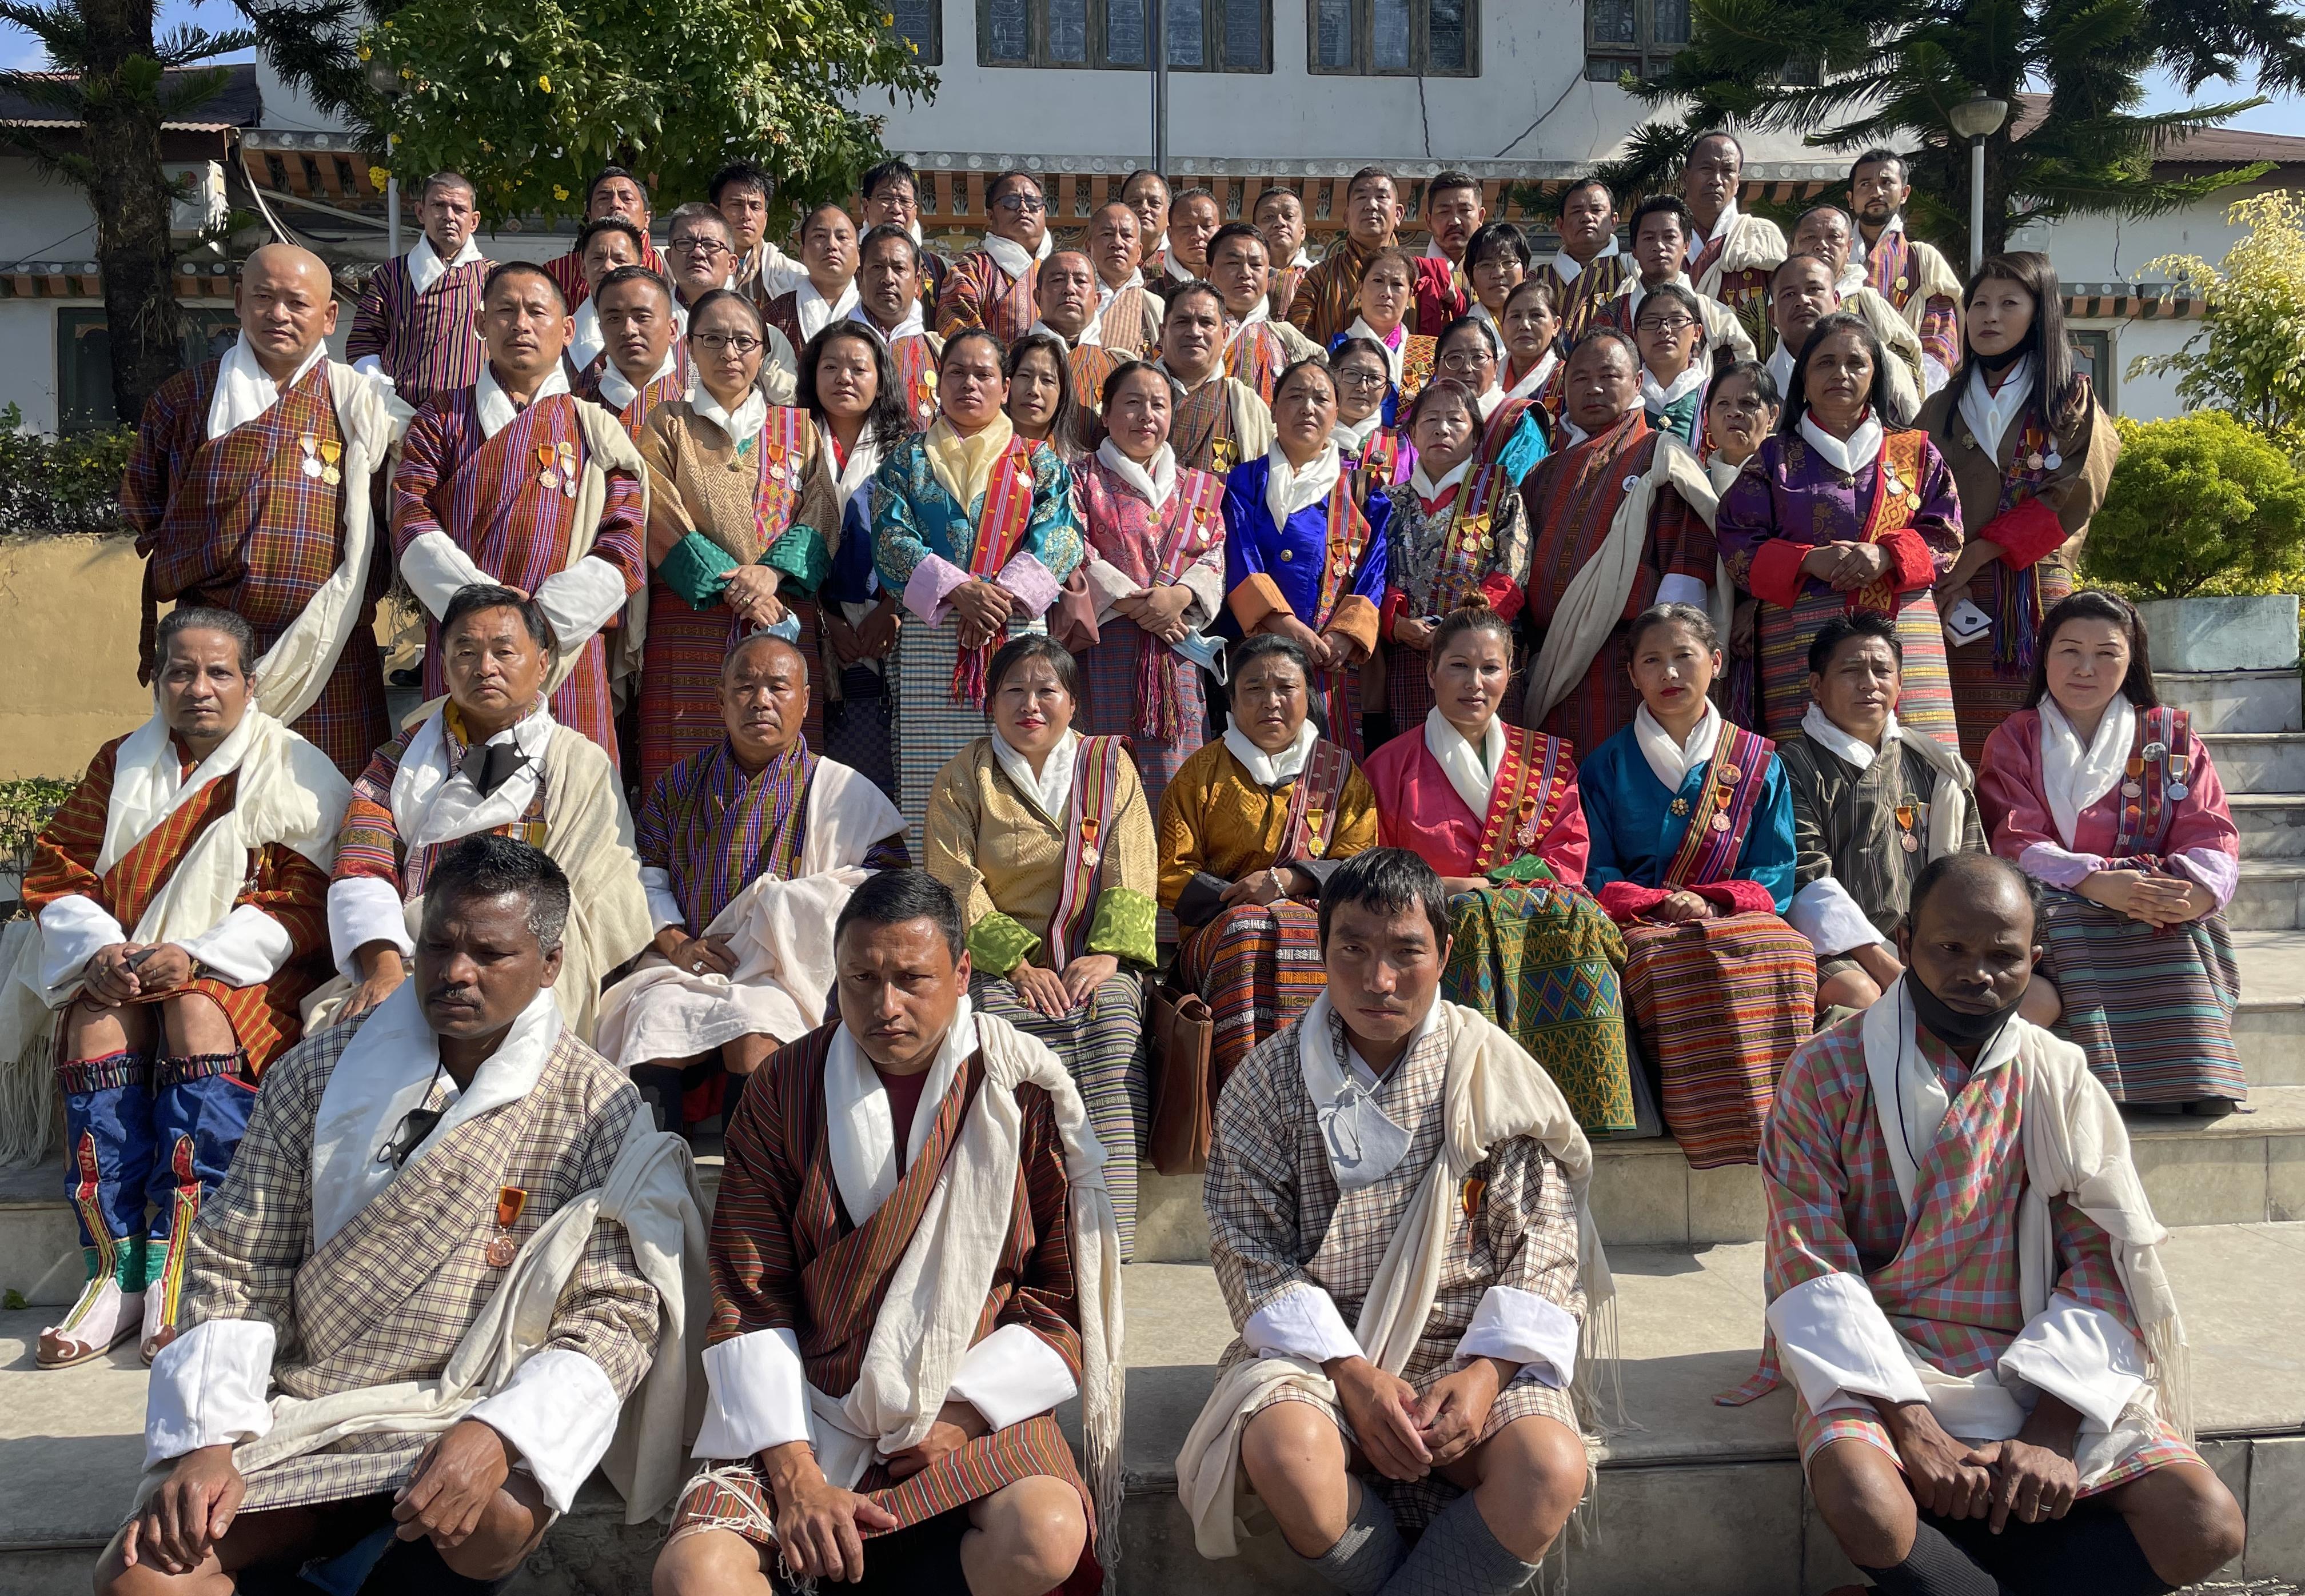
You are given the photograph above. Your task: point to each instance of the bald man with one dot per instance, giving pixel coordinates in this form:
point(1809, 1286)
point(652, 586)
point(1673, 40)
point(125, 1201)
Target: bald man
point(256, 485)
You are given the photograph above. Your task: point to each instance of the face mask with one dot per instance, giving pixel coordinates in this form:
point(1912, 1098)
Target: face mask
point(1954, 1028)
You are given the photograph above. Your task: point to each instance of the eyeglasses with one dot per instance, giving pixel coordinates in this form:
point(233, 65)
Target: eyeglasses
point(1013, 203)
point(734, 342)
point(706, 247)
point(1361, 380)
point(1665, 324)
point(1467, 360)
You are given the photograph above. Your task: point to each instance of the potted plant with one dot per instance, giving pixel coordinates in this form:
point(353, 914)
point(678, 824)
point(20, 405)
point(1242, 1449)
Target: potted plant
point(2202, 523)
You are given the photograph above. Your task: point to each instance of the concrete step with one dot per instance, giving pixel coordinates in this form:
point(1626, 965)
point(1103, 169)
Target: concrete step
point(1695, 1498)
point(2258, 761)
point(2269, 1026)
point(2272, 824)
point(2269, 896)
point(2236, 701)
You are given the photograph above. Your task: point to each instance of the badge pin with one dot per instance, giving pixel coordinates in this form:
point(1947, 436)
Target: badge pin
point(2178, 792)
point(1912, 844)
point(2034, 461)
point(502, 1248)
point(312, 467)
point(1720, 822)
point(2154, 752)
point(1730, 775)
point(1631, 483)
point(1679, 806)
point(1904, 283)
point(2130, 789)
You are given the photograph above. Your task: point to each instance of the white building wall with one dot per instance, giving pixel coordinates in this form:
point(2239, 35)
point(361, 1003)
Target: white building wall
point(28, 360)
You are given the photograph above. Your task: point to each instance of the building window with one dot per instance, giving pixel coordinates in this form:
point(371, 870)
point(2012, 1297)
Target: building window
point(84, 360)
point(1223, 36)
point(921, 23)
point(1379, 37)
point(2093, 359)
point(1637, 37)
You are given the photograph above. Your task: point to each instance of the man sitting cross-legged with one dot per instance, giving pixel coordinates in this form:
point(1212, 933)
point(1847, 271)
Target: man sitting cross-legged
point(448, 1252)
point(913, 1261)
point(1964, 1286)
point(748, 850)
point(1397, 1209)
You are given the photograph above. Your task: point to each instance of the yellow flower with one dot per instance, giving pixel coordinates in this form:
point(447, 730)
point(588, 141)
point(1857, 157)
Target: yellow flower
point(544, 83)
point(888, 19)
point(365, 51)
point(558, 192)
point(379, 176)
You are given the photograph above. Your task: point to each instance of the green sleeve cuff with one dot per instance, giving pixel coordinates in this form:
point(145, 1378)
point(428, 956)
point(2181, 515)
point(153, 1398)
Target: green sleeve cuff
point(803, 558)
point(1528, 867)
point(696, 569)
point(1125, 925)
point(998, 944)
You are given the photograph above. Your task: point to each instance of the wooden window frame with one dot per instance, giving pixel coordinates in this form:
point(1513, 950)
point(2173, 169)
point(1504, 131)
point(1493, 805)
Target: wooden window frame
point(931, 49)
point(1099, 43)
point(1420, 43)
point(1645, 57)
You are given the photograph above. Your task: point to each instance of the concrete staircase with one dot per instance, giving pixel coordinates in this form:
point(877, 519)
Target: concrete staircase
point(1696, 1498)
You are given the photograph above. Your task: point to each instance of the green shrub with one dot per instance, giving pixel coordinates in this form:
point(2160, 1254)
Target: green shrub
point(25, 805)
point(68, 484)
point(2195, 502)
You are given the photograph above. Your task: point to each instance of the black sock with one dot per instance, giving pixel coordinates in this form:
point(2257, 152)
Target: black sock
point(2092, 1549)
point(1935, 1567)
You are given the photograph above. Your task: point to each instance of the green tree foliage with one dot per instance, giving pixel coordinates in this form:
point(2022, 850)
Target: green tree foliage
point(1849, 75)
point(529, 97)
point(50, 484)
point(2250, 355)
point(2195, 502)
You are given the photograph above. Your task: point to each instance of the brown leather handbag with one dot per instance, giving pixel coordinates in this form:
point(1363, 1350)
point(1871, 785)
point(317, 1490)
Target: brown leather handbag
point(1185, 1096)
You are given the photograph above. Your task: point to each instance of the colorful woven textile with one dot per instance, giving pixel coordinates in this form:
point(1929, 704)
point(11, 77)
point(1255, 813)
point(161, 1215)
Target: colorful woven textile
point(426, 343)
point(1721, 1004)
point(1545, 964)
point(1783, 636)
point(1257, 966)
point(2152, 1008)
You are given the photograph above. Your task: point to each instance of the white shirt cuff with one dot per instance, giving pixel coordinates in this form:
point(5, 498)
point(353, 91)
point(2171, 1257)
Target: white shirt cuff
point(1673, 587)
point(436, 569)
point(578, 601)
point(1302, 1323)
point(373, 365)
point(208, 1387)
point(1933, 376)
point(664, 908)
point(758, 1395)
point(1835, 1342)
point(73, 929)
point(559, 1411)
point(1011, 1375)
point(246, 947)
point(1523, 1328)
point(361, 910)
point(1823, 912)
point(2084, 1357)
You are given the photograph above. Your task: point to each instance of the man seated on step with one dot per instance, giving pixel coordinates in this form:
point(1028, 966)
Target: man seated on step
point(448, 1252)
point(915, 1154)
point(1872, 806)
point(178, 893)
point(1965, 1287)
point(490, 759)
point(748, 850)
point(1396, 1209)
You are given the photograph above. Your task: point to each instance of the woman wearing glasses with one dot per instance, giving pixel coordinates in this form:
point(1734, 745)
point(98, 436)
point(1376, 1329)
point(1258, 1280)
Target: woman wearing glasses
point(1361, 376)
point(741, 521)
point(1514, 433)
point(993, 285)
point(1672, 376)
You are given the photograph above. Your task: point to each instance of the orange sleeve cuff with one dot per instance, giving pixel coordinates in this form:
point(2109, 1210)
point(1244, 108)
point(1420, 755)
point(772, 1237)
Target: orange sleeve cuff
point(1256, 600)
point(1355, 617)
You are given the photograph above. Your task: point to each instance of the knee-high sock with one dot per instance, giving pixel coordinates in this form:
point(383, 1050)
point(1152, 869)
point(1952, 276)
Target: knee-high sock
point(2091, 1550)
point(1460, 1556)
point(1935, 1567)
point(1367, 1553)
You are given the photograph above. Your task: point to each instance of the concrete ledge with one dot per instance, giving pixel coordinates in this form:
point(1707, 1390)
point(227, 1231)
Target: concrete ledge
point(2244, 632)
point(2259, 762)
point(2236, 701)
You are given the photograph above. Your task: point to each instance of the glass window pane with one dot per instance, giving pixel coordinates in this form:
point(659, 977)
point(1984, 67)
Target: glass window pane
point(1609, 69)
point(1609, 22)
point(1184, 31)
point(1333, 26)
point(1446, 49)
point(1124, 32)
point(1068, 31)
point(1389, 35)
point(1009, 37)
point(916, 20)
point(1244, 34)
point(1671, 21)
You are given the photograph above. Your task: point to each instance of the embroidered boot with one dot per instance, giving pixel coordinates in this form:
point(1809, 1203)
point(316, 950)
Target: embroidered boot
point(108, 1142)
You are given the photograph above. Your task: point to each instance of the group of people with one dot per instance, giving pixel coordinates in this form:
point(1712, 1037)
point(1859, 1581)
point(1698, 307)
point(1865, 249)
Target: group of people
point(1509, 711)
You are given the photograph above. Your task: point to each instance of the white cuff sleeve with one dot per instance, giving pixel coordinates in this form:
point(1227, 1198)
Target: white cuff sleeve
point(578, 601)
point(1823, 912)
point(436, 568)
point(1107, 585)
point(1933, 376)
point(1204, 579)
point(1523, 1328)
point(209, 1388)
point(664, 908)
point(73, 929)
point(246, 947)
point(1011, 1375)
point(2084, 1357)
point(560, 1413)
point(1673, 587)
point(1835, 1342)
point(1303, 1323)
point(361, 910)
point(372, 366)
point(758, 1395)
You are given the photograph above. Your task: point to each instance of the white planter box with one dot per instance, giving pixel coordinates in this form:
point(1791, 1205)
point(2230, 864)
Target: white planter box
point(2255, 632)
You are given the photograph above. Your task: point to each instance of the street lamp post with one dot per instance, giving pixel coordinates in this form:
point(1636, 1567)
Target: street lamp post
point(384, 79)
point(1978, 120)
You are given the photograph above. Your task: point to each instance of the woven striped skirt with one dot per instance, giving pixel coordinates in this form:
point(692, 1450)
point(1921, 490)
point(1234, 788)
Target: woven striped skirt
point(1337, 705)
point(1102, 1045)
point(1542, 962)
point(1721, 1004)
point(1985, 693)
point(1785, 635)
point(925, 725)
point(1109, 687)
point(680, 678)
point(1408, 691)
point(2152, 1009)
point(1257, 966)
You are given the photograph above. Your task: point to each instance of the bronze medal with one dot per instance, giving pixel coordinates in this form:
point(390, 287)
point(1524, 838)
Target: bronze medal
point(502, 1248)
point(1720, 821)
point(1679, 806)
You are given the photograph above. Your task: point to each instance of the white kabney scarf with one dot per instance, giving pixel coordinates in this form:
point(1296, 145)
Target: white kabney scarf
point(1154, 482)
point(1473, 773)
point(425, 267)
point(1990, 415)
point(245, 391)
point(1670, 761)
point(816, 312)
point(1270, 769)
point(1823, 912)
point(1052, 788)
point(1287, 490)
point(1538, 374)
point(2072, 777)
point(1848, 455)
point(619, 390)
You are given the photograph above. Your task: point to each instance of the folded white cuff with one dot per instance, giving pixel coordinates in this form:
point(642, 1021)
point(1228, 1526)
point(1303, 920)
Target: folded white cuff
point(436, 568)
point(758, 1395)
point(1523, 1328)
point(664, 908)
point(1300, 1323)
point(2083, 1356)
point(1823, 912)
point(208, 1387)
point(578, 601)
point(73, 929)
point(1835, 1342)
point(361, 910)
point(246, 947)
point(1011, 1375)
point(559, 1412)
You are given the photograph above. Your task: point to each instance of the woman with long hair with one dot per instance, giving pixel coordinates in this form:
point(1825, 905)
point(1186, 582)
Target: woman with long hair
point(1042, 404)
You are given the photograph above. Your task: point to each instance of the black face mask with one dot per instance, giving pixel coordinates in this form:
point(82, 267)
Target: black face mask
point(1950, 1025)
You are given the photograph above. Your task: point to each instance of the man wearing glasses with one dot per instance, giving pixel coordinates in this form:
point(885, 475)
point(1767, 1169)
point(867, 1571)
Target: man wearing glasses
point(703, 254)
point(890, 196)
point(354, 1387)
point(994, 285)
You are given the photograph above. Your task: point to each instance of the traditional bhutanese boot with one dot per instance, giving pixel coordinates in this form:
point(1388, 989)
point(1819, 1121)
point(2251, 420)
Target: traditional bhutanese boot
point(109, 1142)
point(201, 1104)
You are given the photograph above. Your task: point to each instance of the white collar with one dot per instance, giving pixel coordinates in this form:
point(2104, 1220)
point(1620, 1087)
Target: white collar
point(425, 267)
point(1635, 290)
point(1012, 257)
point(1526, 388)
point(1270, 769)
point(1851, 278)
point(1781, 369)
point(861, 1130)
point(244, 392)
point(1363, 1142)
point(816, 312)
point(1174, 272)
point(2074, 780)
point(1288, 490)
point(1726, 220)
point(1104, 294)
point(1427, 488)
point(745, 425)
point(1487, 401)
point(1990, 415)
point(1303, 259)
point(1847, 455)
point(1659, 396)
point(1670, 762)
point(587, 342)
point(1569, 268)
point(619, 392)
point(1087, 336)
point(434, 802)
point(1434, 252)
point(913, 322)
point(1156, 485)
point(1052, 788)
point(387, 1071)
point(1860, 251)
point(1395, 352)
point(495, 406)
point(863, 460)
point(1576, 435)
point(1845, 746)
point(1472, 773)
point(1354, 435)
point(1259, 312)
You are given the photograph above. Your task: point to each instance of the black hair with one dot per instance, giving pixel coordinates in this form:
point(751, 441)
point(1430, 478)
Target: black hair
point(900, 897)
point(1274, 191)
point(1839, 629)
point(1489, 337)
point(1232, 230)
point(1475, 615)
point(1249, 649)
point(1609, 334)
point(1497, 238)
point(1661, 205)
point(613, 171)
point(1032, 645)
point(1764, 385)
point(204, 617)
point(1679, 295)
point(475, 597)
point(1972, 870)
point(1442, 389)
point(1873, 158)
point(1363, 174)
point(1178, 196)
point(739, 174)
point(711, 297)
point(815, 211)
point(1336, 358)
point(1576, 186)
point(1001, 182)
point(1197, 287)
point(521, 269)
point(1129, 182)
point(1065, 425)
point(1535, 284)
point(1126, 369)
point(1390, 881)
point(2064, 389)
point(881, 234)
point(1324, 366)
point(697, 211)
point(624, 225)
point(2094, 604)
point(448, 178)
point(490, 865)
point(1441, 183)
point(631, 273)
point(1885, 410)
point(887, 423)
point(973, 334)
point(1840, 210)
point(1819, 261)
point(1722, 133)
point(1672, 614)
point(892, 170)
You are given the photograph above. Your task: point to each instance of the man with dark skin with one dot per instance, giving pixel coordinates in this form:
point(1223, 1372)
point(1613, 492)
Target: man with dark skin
point(889, 284)
point(992, 285)
point(1587, 268)
point(413, 326)
point(1066, 295)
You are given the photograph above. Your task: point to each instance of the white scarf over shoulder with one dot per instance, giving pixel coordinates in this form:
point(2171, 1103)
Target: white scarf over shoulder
point(425, 267)
point(245, 391)
point(1848, 455)
point(1990, 415)
point(1670, 761)
point(2073, 778)
point(1824, 911)
point(1287, 490)
point(1270, 769)
point(1472, 772)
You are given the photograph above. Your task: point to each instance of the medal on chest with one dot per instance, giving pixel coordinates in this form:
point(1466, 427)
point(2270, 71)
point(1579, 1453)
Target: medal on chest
point(2177, 790)
point(2134, 785)
point(549, 457)
point(331, 450)
point(311, 465)
point(502, 1248)
point(1089, 851)
point(1525, 836)
point(1728, 775)
point(1223, 455)
point(567, 457)
point(1907, 812)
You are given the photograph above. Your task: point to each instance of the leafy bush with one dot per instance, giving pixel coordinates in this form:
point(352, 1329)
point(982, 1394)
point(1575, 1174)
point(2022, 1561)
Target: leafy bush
point(25, 805)
point(68, 484)
point(2249, 357)
point(2197, 501)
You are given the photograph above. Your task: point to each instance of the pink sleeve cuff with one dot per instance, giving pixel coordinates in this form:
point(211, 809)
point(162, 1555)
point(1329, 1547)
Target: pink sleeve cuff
point(2213, 868)
point(1032, 583)
point(1625, 900)
point(2046, 862)
point(1742, 897)
point(934, 580)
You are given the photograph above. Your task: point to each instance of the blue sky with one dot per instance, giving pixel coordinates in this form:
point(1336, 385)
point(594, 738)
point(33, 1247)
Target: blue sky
point(18, 49)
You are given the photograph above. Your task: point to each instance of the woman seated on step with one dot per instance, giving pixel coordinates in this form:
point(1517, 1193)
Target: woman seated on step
point(1494, 809)
point(1692, 854)
point(2108, 798)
